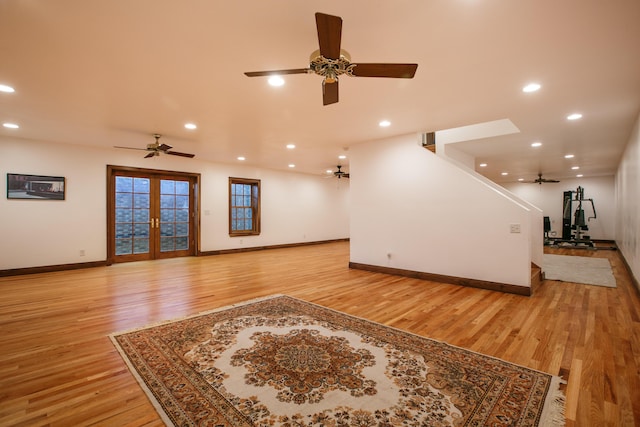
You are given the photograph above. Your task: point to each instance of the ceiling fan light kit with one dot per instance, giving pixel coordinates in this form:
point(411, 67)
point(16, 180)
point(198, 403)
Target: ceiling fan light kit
point(330, 69)
point(331, 62)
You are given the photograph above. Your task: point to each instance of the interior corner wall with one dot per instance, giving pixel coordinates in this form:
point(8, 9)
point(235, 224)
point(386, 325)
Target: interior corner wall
point(414, 211)
point(549, 198)
point(295, 207)
point(454, 153)
point(449, 152)
point(628, 202)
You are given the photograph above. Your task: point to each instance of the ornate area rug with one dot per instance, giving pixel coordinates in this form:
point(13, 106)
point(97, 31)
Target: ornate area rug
point(578, 269)
point(281, 361)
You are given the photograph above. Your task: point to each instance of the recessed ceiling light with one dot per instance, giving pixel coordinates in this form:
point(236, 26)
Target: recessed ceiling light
point(536, 144)
point(342, 157)
point(291, 165)
point(291, 146)
point(574, 116)
point(569, 156)
point(384, 123)
point(191, 126)
point(579, 175)
point(7, 89)
point(521, 179)
point(575, 168)
point(531, 87)
point(329, 171)
point(504, 173)
point(276, 81)
point(241, 158)
point(483, 165)
point(10, 125)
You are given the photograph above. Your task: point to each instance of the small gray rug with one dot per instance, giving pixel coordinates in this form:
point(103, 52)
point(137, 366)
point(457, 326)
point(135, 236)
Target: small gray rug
point(578, 269)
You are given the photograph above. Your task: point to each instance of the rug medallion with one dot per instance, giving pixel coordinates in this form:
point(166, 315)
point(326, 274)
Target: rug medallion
point(281, 361)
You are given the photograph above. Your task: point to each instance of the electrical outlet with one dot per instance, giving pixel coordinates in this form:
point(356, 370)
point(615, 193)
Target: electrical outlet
point(514, 228)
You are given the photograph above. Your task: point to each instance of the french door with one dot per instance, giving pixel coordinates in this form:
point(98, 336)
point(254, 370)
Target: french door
point(151, 214)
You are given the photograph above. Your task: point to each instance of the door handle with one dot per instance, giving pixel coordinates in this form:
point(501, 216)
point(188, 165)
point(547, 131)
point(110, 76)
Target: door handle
point(157, 222)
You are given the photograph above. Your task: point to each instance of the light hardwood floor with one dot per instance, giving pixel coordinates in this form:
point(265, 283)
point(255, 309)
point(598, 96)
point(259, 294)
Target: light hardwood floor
point(59, 368)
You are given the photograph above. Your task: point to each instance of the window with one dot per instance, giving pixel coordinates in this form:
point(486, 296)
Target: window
point(244, 206)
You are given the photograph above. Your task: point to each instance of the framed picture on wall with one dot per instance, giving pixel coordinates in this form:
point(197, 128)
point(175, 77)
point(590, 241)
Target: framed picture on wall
point(36, 187)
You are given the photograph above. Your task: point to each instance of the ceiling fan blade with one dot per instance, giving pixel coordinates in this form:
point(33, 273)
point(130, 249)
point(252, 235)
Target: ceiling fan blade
point(329, 35)
point(130, 148)
point(151, 154)
point(164, 147)
point(177, 153)
point(277, 72)
point(401, 71)
point(329, 93)
point(345, 175)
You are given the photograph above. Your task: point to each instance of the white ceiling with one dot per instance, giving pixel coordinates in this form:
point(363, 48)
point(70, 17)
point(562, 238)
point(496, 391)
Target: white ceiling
point(113, 72)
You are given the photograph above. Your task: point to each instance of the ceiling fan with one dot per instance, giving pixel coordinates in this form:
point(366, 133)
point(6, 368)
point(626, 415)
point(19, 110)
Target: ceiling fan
point(330, 61)
point(340, 174)
point(156, 148)
point(540, 180)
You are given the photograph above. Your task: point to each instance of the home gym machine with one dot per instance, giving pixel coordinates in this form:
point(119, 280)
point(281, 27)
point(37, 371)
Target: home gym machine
point(574, 225)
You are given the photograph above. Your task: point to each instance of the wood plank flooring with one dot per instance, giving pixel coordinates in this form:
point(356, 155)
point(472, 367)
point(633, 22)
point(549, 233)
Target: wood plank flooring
point(59, 368)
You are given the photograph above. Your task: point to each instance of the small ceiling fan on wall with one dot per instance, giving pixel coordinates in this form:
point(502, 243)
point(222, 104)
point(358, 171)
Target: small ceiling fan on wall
point(339, 173)
point(154, 149)
point(540, 180)
point(330, 61)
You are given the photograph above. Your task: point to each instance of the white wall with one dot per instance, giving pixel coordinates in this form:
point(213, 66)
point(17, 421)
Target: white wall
point(295, 207)
point(549, 198)
point(628, 202)
point(449, 152)
point(432, 216)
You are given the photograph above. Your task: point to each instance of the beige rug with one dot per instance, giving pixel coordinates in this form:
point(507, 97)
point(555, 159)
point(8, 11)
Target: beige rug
point(578, 269)
point(281, 361)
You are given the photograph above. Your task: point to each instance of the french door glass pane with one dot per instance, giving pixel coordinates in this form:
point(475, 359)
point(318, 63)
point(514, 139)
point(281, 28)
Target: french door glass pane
point(166, 244)
point(124, 215)
point(141, 246)
point(182, 187)
point(174, 215)
point(141, 201)
point(167, 229)
point(124, 184)
point(182, 215)
point(132, 215)
point(124, 200)
point(141, 215)
point(167, 215)
point(167, 186)
point(182, 229)
point(167, 201)
point(123, 246)
point(182, 243)
point(123, 231)
point(141, 185)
